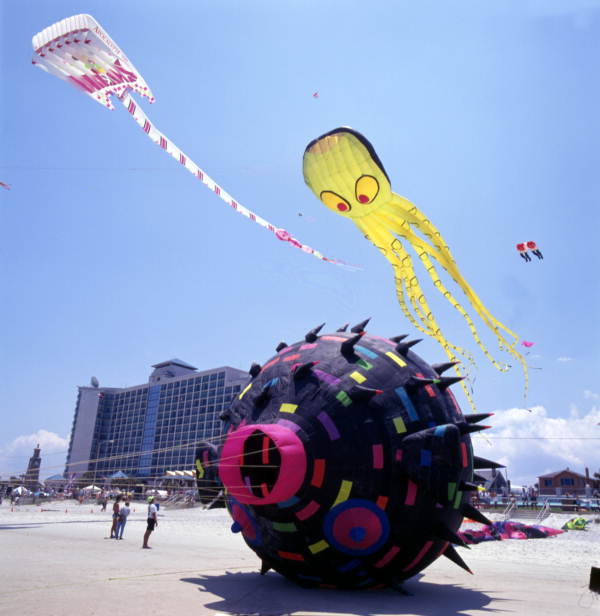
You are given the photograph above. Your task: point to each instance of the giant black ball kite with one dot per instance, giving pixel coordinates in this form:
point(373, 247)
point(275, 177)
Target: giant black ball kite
point(348, 462)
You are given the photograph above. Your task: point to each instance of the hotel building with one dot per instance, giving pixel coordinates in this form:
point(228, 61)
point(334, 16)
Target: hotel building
point(147, 429)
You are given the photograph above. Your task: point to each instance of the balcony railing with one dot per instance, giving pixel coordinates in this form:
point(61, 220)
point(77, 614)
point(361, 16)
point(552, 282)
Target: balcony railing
point(552, 503)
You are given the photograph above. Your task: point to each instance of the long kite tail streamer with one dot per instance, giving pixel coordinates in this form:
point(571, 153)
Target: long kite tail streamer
point(344, 172)
point(79, 51)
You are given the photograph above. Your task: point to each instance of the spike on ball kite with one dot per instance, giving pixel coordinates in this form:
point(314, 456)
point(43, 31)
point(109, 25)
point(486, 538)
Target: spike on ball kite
point(344, 172)
point(79, 51)
point(348, 462)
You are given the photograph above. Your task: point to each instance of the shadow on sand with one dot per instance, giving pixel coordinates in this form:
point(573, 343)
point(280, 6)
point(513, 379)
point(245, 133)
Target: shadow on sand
point(272, 595)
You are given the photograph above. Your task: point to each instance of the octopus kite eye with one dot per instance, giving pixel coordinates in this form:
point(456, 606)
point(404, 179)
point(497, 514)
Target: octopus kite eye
point(366, 188)
point(335, 202)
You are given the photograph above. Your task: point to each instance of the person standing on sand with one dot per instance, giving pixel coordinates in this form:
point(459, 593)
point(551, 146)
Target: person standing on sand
point(123, 513)
point(533, 499)
point(152, 521)
point(115, 518)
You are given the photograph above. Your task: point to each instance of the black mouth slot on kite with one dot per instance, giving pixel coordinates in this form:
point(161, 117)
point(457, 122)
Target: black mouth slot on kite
point(261, 462)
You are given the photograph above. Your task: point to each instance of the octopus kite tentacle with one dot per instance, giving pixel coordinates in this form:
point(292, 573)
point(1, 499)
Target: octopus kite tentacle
point(345, 173)
point(409, 286)
point(445, 259)
point(423, 252)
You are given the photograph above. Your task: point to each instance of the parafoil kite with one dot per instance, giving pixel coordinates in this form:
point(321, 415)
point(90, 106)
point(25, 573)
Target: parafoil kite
point(507, 530)
point(527, 344)
point(79, 51)
point(523, 252)
point(535, 250)
point(5, 185)
point(523, 247)
point(348, 462)
point(576, 523)
point(344, 172)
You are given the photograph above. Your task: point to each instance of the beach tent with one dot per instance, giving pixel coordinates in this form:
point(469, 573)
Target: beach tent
point(119, 475)
point(153, 492)
point(188, 475)
point(54, 478)
point(92, 488)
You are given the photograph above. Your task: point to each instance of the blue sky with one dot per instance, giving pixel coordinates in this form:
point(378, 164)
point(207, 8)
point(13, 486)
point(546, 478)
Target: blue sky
point(114, 258)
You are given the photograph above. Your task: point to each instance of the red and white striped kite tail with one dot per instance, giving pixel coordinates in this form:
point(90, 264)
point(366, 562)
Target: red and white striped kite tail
point(79, 51)
point(170, 148)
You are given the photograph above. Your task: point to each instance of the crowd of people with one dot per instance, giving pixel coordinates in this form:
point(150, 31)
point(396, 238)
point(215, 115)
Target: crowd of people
point(527, 498)
point(121, 510)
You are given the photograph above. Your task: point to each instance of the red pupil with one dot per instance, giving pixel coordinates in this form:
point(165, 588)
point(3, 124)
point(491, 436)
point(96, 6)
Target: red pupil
point(342, 207)
point(363, 198)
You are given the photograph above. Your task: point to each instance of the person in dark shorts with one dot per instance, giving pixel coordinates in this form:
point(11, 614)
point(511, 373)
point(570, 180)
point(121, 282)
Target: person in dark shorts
point(152, 521)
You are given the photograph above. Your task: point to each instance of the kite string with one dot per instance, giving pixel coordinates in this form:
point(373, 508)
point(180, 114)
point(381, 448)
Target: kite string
point(170, 148)
point(218, 462)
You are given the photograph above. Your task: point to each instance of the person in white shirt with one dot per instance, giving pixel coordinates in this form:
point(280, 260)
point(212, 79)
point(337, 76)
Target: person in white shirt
point(123, 513)
point(152, 521)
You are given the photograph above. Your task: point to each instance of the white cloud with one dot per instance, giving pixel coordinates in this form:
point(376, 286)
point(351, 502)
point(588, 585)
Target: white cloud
point(590, 395)
point(564, 359)
point(15, 455)
point(514, 440)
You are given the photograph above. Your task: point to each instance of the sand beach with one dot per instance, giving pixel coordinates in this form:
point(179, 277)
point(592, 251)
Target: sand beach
point(57, 561)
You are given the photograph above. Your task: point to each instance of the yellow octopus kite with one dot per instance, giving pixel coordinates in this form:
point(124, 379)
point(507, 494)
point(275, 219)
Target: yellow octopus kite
point(344, 172)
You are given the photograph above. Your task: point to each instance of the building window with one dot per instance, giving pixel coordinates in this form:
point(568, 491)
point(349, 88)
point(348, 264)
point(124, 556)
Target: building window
point(547, 483)
point(567, 481)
